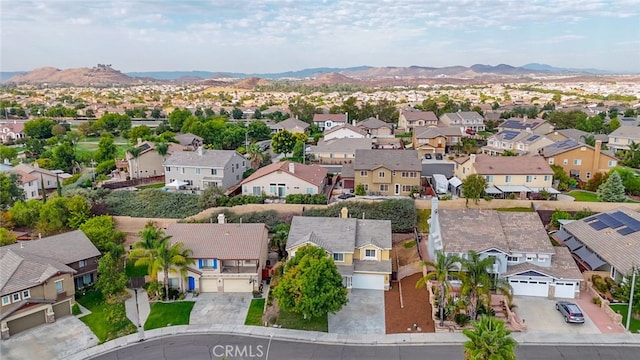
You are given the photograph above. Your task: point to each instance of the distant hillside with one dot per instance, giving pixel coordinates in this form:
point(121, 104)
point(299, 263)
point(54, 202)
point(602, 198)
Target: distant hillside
point(553, 69)
point(98, 75)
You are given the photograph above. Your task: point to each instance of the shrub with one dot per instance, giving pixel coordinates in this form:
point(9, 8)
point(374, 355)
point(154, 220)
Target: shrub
point(319, 199)
point(270, 217)
point(599, 283)
point(152, 203)
point(71, 180)
point(75, 309)
point(105, 167)
point(461, 319)
point(596, 300)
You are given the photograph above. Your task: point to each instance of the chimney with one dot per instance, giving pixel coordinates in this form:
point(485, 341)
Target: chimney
point(473, 158)
point(21, 244)
point(377, 116)
point(344, 213)
point(200, 150)
point(39, 235)
point(353, 122)
point(529, 130)
point(346, 118)
point(596, 157)
point(292, 167)
point(221, 219)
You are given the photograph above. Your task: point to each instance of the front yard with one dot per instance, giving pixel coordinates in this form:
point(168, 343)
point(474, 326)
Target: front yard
point(289, 320)
point(107, 321)
point(169, 314)
point(254, 315)
point(622, 309)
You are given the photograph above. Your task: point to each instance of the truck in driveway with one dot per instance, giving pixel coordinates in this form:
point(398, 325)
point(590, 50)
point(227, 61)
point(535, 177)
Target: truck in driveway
point(440, 183)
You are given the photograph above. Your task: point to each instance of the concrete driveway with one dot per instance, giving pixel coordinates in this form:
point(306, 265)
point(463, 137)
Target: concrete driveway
point(59, 340)
point(363, 314)
point(541, 316)
point(213, 308)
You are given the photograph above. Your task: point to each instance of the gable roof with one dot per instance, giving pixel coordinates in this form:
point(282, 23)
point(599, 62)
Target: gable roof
point(290, 123)
point(312, 174)
point(373, 123)
point(578, 135)
point(187, 138)
point(390, 159)
point(563, 266)
point(415, 115)
point(522, 124)
point(561, 147)
point(31, 169)
point(22, 269)
point(148, 146)
point(346, 126)
point(463, 116)
point(512, 165)
point(332, 117)
point(221, 241)
point(24, 177)
point(430, 132)
point(14, 127)
point(208, 159)
point(342, 145)
point(629, 132)
point(66, 248)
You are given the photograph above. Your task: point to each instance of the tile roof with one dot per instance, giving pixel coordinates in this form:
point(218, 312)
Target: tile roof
point(563, 266)
point(313, 174)
point(629, 132)
point(429, 132)
point(382, 266)
point(512, 165)
point(24, 177)
point(187, 138)
point(22, 269)
point(578, 135)
point(463, 116)
point(221, 241)
point(66, 248)
point(31, 169)
point(208, 159)
point(419, 115)
point(346, 126)
point(342, 145)
point(290, 123)
point(373, 123)
point(332, 117)
point(391, 159)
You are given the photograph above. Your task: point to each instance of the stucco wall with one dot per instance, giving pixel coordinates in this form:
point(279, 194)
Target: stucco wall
point(294, 185)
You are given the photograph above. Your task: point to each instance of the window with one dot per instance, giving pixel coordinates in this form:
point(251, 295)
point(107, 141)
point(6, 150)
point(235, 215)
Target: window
point(167, 168)
point(15, 297)
point(528, 178)
point(59, 287)
point(338, 257)
point(588, 175)
point(512, 258)
point(309, 190)
point(364, 173)
point(577, 162)
point(612, 163)
point(406, 188)
point(489, 178)
point(181, 170)
point(207, 263)
point(384, 187)
point(550, 161)
point(547, 178)
point(6, 300)
point(82, 263)
point(366, 187)
point(565, 162)
point(405, 174)
point(507, 179)
point(531, 258)
point(214, 171)
point(197, 171)
point(381, 174)
point(257, 191)
point(26, 294)
point(370, 253)
point(541, 259)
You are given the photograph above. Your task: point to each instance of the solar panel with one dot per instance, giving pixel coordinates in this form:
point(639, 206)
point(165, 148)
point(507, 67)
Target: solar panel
point(626, 220)
point(509, 135)
point(626, 231)
point(533, 137)
point(598, 225)
point(635, 226)
point(609, 221)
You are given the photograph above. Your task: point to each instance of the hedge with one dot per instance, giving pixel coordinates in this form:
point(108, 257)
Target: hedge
point(152, 203)
point(270, 217)
point(318, 199)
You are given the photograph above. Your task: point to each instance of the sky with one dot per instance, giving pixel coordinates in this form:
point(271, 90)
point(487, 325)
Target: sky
point(268, 36)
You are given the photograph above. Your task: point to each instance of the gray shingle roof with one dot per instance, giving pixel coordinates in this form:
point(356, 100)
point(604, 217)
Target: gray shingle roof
point(208, 159)
point(398, 160)
point(577, 135)
point(221, 241)
point(429, 132)
point(560, 147)
point(414, 115)
point(629, 132)
point(65, 248)
point(290, 123)
point(562, 266)
point(383, 266)
point(342, 145)
point(23, 270)
point(373, 123)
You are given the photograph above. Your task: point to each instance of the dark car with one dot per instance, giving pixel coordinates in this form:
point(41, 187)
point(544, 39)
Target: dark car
point(427, 156)
point(570, 311)
point(345, 196)
point(470, 132)
point(439, 157)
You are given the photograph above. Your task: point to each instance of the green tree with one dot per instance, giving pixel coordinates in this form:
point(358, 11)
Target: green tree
point(54, 216)
point(489, 340)
point(298, 152)
point(629, 178)
point(139, 133)
point(614, 124)
point(79, 210)
point(112, 279)
point(612, 190)
point(625, 293)
point(58, 130)
point(39, 128)
point(210, 197)
point(596, 180)
point(559, 215)
point(25, 213)
point(177, 118)
point(173, 258)
point(258, 131)
point(477, 282)
point(254, 153)
point(162, 147)
point(236, 113)
point(302, 109)
point(10, 189)
point(144, 252)
point(8, 153)
point(63, 156)
point(359, 190)
point(283, 142)
point(107, 149)
point(101, 230)
point(311, 284)
point(473, 187)
point(6, 237)
point(443, 267)
point(135, 152)
point(279, 238)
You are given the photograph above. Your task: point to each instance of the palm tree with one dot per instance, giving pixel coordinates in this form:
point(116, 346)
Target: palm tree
point(489, 339)
point(162, 148)
point(279, 238)
point(173, 258)
point(477, 282)
point(444, 266)
point(145, 251)
point(135, 153)
point(589, 139)
point(255, 155)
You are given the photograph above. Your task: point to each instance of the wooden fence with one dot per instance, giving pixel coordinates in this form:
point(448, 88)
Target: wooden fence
point(134, 182)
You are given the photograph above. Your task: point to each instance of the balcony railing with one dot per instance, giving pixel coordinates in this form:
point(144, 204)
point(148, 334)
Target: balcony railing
point(239, 269)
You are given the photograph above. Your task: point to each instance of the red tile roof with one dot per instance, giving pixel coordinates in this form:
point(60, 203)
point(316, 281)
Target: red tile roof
point(310, 173)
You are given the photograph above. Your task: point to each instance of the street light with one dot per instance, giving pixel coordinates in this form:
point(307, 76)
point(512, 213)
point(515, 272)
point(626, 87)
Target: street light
point(633, 284)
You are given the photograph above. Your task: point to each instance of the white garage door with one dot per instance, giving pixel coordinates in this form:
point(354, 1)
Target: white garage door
point(237, 285)
point(529, 287)
point(565, 290)
point(362, 281)
point(208, 285)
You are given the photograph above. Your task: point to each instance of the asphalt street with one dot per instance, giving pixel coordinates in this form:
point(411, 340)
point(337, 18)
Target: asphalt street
point(232, 347)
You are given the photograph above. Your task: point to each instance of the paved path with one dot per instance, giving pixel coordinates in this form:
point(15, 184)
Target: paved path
point(597, 315)
point(137, 309)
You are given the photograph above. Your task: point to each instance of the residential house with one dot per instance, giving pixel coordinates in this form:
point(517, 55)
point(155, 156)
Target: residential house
point(285, 178)
point(227, 257)
point(518, 142)
point(534, 126)
point(466, 120)
point(48, 177)
point(29, 183)
point(519, 175)
point(203, 168)
point(361, 249)
point(292, 125)
point(327, 121)
point(11, 131)
point(149, 163)
point(435, 139)
point(408, 119)
point(40, 277)
point(339, 151)
point(189, 140)
point(575, 134)
point(629, 121)
point(607, 241)
point(387, 172)
point(344, 131)
point(578, 160)
point(517, 241)
point(622, 137)
point(376, 127)
point(388, 143)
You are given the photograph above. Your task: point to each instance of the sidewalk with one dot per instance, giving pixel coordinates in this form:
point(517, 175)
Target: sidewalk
point(137, 309)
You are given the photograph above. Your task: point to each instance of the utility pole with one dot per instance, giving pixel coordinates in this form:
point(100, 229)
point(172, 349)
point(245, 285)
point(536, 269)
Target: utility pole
point(633, 284)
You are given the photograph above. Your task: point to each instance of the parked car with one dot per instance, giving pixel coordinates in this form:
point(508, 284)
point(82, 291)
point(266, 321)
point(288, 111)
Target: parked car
point(570, 311)
point(345, 196)
point(439, 157)
point(427, 156)
point(470, 132)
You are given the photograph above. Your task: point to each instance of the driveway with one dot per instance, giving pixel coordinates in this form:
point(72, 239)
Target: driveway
point(540, 316)
point(363, 314)
point(227, 309)
point(59, 340)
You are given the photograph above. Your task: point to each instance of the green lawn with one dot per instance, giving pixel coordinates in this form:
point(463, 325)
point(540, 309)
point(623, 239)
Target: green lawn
point(254, 315)
point(91, 148)
point(152, 186)
point(581, 195)
point(107, 321)
point(290, 320)
point(423, 216)
point(169, 314)
point(135, 271)
point(622, 309)
point(516, 209)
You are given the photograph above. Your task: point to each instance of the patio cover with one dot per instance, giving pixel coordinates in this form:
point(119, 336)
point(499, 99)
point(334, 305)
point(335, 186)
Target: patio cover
point(177, 183)
point(492, 190)
point(455, 182)
point(562, 235)
point(583, 253)
point(594, 261)
point(572, 243)
point(550, 190)
point(513, 188)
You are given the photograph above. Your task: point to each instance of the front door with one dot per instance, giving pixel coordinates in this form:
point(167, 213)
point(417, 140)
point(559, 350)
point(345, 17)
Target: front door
point(192, 283)
point(397, 189)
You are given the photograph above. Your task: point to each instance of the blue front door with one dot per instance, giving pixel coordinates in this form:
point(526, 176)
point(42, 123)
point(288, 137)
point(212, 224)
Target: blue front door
point(192, 283)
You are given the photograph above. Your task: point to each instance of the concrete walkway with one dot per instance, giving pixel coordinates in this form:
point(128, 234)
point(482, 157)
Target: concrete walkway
point(137, 307)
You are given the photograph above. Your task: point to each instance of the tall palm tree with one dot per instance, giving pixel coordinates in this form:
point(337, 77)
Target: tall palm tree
point(162, 148)
point(173, 258)
point(477, 281)
point(589, 139)
point(488, 340)
point(145, 251)
point(135, 153)
point(255, 155)
point(279, 238)
point(444, 266)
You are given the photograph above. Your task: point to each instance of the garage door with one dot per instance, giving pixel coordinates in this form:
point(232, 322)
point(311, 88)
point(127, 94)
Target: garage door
point(362, 281)
point(237, 285)
point(208, 285)
point(529, 287)
point(26, 322)
point(62, 309)
point(565, 290)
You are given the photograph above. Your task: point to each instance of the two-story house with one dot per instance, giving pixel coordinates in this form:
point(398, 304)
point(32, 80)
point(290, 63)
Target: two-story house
point(344, 131)
point(535, 126)
point(11, 131)
point(285, 178)
point(408, 119)
point(149, 162)
point(520, 142)
point(48, 177)
point(227, 257)
point(29, 184)
point(361, 249)
point(327, 121)
point(519, 175)
point(203, 168)
point(292, 125)
point(466, 120)
point(435, 139)
point(622, 137)
point(518, 242)
point(579, 160)
point(339, 151)
point(376, 128)
point(387, 172)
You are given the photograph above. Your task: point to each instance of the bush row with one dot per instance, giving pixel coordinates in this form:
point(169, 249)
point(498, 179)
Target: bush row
point(318, 199)
point(152, 203)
